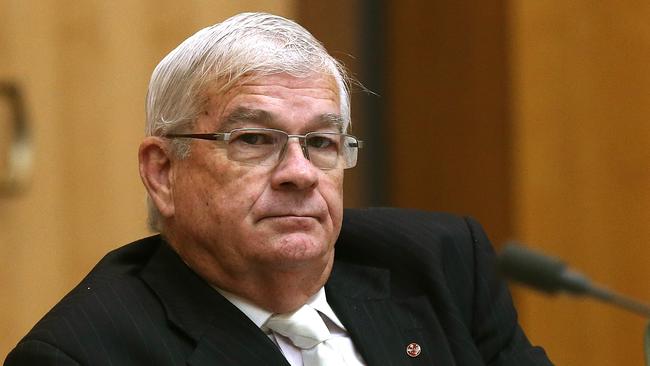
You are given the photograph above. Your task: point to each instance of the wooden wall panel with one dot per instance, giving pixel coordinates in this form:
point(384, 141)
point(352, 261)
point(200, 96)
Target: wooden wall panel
point(581, 178)
point(84, 67)
point(447, 116)
point(30, 224)
point(532, 116)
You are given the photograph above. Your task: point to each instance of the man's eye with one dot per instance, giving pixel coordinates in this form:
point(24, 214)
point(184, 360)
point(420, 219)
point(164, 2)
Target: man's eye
point(252, 138)
point(321, 142)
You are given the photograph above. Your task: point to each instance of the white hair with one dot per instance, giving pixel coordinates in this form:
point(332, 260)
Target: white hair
point(217, 57)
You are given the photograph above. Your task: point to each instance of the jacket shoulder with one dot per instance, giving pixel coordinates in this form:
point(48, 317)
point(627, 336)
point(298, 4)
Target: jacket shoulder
point(99, 311)
point(407, 233)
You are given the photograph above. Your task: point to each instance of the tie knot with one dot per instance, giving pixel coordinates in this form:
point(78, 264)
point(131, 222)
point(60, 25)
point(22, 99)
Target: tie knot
point(304, 327)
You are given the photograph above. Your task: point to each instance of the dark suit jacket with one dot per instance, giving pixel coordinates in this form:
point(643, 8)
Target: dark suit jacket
point(399, 277)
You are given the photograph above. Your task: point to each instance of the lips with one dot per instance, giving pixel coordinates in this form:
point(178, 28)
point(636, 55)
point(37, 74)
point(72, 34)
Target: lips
point(290, 208)
point(289, 216)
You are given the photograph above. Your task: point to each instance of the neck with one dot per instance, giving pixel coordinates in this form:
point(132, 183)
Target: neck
point(269, 286)
point(280, 292)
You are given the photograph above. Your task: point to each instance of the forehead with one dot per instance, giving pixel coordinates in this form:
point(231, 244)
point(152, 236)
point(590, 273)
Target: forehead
point(310, 83)
point(278, 97)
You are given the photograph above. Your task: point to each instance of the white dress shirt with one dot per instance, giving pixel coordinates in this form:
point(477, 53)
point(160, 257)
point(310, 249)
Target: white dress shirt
point(340, 340)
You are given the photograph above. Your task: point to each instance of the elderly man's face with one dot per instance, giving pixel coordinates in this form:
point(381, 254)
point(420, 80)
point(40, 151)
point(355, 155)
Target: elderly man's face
point(253, 216)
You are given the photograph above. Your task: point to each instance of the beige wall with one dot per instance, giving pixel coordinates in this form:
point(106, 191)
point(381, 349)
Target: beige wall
point(84, 67)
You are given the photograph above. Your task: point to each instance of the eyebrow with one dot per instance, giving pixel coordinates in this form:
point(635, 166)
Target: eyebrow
point(332, 119)
point(242, 116)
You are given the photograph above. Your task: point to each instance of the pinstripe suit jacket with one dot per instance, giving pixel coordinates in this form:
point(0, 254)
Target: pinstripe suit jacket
point(399, 277)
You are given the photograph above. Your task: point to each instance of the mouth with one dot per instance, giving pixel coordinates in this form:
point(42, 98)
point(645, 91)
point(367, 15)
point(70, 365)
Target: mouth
point(288, 216)
point(290, 223)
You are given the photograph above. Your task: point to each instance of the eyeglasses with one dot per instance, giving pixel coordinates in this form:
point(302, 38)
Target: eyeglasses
point(266, 146)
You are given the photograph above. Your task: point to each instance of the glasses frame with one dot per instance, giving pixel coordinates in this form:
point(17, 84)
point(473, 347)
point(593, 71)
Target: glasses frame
point(302, 140)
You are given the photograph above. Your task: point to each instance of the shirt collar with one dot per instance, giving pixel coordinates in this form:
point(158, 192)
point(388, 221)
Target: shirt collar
point(319, 302)
point(259, 316)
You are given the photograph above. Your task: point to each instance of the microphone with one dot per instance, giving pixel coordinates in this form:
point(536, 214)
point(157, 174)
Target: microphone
point(551, 275)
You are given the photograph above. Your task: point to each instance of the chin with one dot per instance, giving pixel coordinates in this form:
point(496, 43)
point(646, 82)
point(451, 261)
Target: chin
point(301, 247)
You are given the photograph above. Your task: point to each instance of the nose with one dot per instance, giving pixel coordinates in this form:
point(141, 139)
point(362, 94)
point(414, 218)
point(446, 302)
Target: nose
point(294, 170)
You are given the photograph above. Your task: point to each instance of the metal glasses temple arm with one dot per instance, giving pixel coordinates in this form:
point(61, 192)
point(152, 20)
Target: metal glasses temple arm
point(202, 136)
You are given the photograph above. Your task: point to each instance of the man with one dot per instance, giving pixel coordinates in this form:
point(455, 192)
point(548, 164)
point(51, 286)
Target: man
point(243, 165)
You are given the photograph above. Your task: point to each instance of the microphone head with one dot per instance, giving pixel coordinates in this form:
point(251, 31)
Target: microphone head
point(532, 268)
point(551, 275)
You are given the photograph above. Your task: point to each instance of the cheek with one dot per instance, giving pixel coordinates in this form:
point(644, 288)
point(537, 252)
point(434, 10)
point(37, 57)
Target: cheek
point(215, 188)
point(331, 188)
point(233, 191)
point(333, 183)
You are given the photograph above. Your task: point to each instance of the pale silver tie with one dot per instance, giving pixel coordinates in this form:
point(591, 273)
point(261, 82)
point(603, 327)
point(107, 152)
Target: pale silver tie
point(307, 331)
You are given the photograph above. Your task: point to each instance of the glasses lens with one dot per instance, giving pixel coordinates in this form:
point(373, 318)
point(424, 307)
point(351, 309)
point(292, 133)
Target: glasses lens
point(324, 149)
point(350, 151)
point(255, 146)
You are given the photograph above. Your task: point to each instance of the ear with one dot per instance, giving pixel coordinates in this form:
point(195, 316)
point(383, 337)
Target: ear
point(156, 173)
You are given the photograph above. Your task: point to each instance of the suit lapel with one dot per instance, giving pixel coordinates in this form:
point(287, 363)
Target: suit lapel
point(228, 343)
point(382, 327)
point(223, 335)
